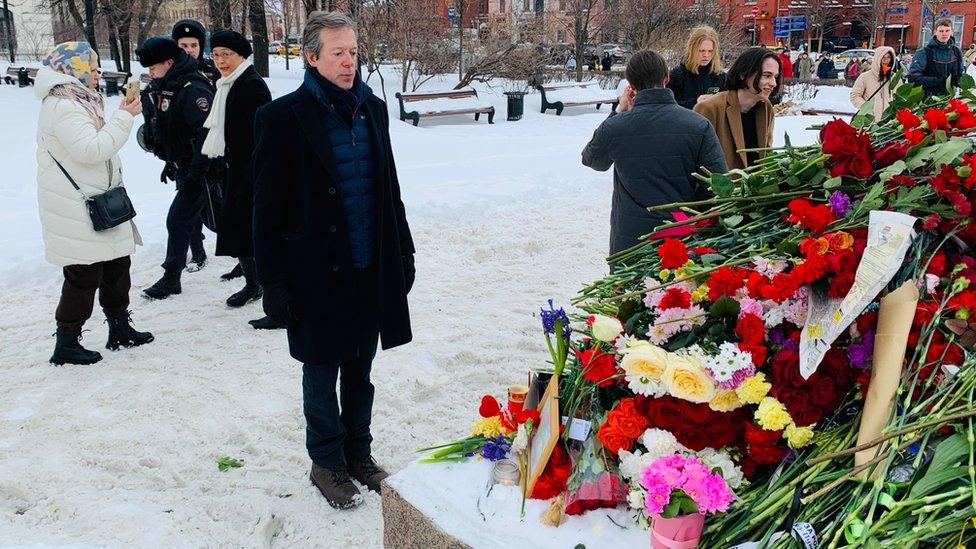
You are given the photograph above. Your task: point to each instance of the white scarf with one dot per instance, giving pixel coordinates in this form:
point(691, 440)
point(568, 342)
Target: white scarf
point(214, 145)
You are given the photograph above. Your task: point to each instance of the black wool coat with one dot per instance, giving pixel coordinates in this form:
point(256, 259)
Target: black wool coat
point(300, 233)
point(246, 96)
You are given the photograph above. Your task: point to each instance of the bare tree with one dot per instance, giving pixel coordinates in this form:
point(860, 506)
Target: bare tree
point(582, 20)
point(418, 39)
point(259, 35)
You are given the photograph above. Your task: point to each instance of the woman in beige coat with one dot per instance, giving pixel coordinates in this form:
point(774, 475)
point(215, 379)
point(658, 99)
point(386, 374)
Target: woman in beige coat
point(76, 143)
point(874, 84)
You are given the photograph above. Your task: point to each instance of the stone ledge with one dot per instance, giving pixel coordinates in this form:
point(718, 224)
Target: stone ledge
point(406, 527)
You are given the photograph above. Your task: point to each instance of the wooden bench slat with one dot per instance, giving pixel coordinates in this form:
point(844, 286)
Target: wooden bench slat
point(559, 105)
point(417, 99)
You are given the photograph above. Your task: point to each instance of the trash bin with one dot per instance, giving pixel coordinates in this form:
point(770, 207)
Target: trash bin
point(23, 78)
point(516, 105)
point(111, 87)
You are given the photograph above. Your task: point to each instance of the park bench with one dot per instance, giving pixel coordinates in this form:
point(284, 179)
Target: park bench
point(443, 103)
point(559, 95)
point(113, 81)
point(12, 72)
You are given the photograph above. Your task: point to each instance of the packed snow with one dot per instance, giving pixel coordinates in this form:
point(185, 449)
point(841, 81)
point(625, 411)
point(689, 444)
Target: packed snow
point(124, 452)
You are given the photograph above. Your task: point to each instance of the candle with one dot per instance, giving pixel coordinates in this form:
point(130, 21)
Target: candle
point(505, 472)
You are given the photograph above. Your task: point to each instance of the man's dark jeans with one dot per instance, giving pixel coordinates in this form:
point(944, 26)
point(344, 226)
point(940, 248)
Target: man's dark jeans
point(333, 437)
point(183, 225)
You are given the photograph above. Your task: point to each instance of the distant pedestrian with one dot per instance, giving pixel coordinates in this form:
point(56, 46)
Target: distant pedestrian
point(700, 72)
point(607, 62)
point(654, 146)
point(874, 84)
point(803, 67)
point(826, 70)
point(787, 63)
point(938, 61)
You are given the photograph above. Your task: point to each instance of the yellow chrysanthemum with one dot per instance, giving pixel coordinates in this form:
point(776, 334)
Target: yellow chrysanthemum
point(664, 275)
point(753, 389)
point(488, 427)
point(700, 293)
point(772, 415)
point(725, 401)
point(686, 378)
point(798, 437)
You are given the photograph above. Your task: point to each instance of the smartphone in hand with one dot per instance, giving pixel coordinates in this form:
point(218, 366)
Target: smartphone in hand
point(713, 89)
point(132, 91)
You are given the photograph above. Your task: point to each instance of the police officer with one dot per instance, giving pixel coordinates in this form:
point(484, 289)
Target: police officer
point(191, 37)
point(181, 98)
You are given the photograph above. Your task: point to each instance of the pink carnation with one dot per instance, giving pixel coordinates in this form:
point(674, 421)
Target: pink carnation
point(688, 474)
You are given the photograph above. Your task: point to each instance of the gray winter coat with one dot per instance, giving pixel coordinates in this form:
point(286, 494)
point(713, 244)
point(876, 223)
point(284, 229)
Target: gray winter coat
point(654, 148)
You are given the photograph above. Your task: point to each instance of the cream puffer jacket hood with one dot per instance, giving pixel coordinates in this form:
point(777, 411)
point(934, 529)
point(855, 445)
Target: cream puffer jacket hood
point(66, 132)
point(870, 83)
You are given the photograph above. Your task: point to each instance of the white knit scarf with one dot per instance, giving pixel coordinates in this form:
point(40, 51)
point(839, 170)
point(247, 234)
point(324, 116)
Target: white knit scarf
point(214, 145)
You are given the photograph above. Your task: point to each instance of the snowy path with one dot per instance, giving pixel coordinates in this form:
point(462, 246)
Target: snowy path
point(123, 453)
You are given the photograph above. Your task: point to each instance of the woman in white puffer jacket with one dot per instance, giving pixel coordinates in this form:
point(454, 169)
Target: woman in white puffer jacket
point(72, 131)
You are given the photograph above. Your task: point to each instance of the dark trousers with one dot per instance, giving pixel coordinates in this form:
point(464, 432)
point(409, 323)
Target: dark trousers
point(183, 225)
point(110, 278)
point(337, 429)
point(196, 235)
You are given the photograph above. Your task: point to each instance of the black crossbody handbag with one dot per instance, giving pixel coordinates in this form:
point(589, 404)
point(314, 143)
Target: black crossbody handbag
point(108, 209)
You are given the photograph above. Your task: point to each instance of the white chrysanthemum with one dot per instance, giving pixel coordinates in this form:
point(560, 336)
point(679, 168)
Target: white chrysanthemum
point(774, 314)
point(625, 342)
point(727, 362)
point(606, 328)
point(637, 498)
point(718, 459)
point(660, 443)
point(630, 464)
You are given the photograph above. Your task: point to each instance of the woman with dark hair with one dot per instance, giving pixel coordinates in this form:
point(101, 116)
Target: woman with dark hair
point(743, 116)
point(700, 72)
point(240, 93)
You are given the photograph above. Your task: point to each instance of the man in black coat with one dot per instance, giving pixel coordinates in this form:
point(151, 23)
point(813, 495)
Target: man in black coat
point(654, 146)
point(333, 248)
point(181, 98)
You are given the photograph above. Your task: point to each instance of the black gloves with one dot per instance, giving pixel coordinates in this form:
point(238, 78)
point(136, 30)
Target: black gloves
point(277, 304)
point(409, 271)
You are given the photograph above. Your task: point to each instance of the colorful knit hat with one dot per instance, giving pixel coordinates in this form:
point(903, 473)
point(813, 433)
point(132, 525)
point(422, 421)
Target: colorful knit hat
point(76, 59)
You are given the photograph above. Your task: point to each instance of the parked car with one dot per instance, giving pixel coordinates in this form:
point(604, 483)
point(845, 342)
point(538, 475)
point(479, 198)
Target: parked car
point(294, 50)
point(843, 58)
point(273, 47)
point(618, 52)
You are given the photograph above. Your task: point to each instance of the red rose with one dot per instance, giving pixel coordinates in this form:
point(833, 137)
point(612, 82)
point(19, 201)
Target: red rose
point(598, 367)
point(553, 479)
point(675, 298)
point(673, 253)
point(891, 153)
point(614, 441)
point(936, 120)
point(840, 285)
point(751, 329)
point(626, 419)
point(785, 368)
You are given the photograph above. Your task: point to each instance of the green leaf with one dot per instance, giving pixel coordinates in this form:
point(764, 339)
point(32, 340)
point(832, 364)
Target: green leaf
point(721, 185)
point(950, 452)
point(832, 183)
point(935, 479)
point(732, 220)
point(725, 306)
point(873, 199)
point(864, 116)
point(712, 259)
point(227, 462)
point(893, 170)
point(672, 509)
point(966, 82)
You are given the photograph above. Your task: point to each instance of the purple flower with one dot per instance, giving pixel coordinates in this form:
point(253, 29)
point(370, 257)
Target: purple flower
point(840, 203)
point(551, 316)
point(861, 353)
point(496, 448)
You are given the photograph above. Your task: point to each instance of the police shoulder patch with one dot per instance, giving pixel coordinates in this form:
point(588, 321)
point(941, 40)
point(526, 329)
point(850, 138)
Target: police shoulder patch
point(203, 104)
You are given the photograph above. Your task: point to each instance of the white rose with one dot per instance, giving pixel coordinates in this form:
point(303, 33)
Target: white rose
point(606, 328)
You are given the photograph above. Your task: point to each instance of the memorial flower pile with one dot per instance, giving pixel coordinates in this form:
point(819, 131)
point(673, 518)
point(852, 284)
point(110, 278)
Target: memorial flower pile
point(763, 336)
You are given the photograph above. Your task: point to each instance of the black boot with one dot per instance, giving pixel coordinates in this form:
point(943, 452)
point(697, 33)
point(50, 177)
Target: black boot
point(236, 272)
point(68, 350)
point(266, 323)
point(164, 287)
point(198, 257)
point(122, 334)
point(251, 291)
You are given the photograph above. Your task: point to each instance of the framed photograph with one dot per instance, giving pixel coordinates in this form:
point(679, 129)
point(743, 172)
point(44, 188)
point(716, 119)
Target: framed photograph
point(544, 436)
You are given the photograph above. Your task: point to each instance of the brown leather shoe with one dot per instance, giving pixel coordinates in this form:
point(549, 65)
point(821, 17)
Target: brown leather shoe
point(368, 473)
point(336, 486)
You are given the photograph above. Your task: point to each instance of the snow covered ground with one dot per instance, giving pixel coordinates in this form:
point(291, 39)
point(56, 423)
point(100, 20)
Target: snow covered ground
point(123, 453)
